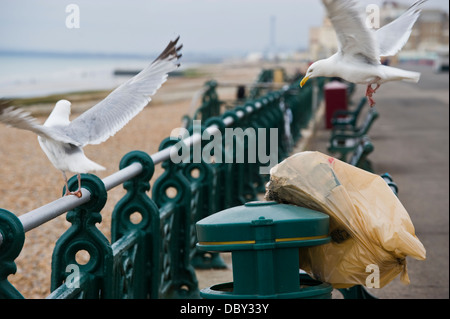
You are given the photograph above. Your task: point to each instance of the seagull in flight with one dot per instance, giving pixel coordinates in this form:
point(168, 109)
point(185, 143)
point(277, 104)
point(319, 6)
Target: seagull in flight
point(63, 141)
point(361, 48)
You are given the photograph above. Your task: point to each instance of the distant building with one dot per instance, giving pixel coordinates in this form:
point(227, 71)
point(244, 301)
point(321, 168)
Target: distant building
point(322, 40)
point(430, 33)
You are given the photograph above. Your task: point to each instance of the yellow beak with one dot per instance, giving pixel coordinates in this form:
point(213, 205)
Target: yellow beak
point(306, 78)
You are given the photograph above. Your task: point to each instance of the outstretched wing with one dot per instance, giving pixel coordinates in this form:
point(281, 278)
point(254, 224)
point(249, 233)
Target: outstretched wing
point(111, 114)
point(393, 36)
point(21, 119)
point(355, 39)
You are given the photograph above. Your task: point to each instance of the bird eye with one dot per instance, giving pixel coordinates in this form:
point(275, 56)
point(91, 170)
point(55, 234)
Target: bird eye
point(311, 70)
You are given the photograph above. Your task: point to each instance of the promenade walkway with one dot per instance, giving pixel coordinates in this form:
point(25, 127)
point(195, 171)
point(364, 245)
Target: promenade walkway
point(411, 140)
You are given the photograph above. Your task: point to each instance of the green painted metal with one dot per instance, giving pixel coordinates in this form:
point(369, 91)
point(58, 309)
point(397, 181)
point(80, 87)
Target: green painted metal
point(83, 235)
point(210, 177)
point(211, 104)
point(264, 238)
point(348, 119)
point(13, 238)
point(339, 139)
point(155, 256)
point(389, 180)
point(360, 154)
point(265, 76)
point(176, 198)
point(238, 174)
point(255, 183)
point(136, 242)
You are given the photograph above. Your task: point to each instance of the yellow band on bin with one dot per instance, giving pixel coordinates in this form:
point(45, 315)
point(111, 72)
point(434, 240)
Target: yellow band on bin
point(300, 238)
point(242, 242)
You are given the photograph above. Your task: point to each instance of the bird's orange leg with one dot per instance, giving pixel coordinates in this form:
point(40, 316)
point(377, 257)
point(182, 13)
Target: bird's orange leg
point(65, 182)
point(76, 193)
point(375, 89)
point(370, 92)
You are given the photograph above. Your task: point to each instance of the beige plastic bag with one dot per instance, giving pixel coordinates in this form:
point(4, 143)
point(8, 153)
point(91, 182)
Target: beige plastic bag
point(369, 227)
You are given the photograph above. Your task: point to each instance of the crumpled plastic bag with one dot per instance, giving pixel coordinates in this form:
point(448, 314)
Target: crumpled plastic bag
point(368, 224)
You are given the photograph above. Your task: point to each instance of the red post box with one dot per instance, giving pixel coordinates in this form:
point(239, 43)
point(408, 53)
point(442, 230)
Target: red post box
point(335, 99)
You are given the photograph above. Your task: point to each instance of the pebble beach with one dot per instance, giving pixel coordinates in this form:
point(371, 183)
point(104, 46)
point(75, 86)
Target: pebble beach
point(28, 180)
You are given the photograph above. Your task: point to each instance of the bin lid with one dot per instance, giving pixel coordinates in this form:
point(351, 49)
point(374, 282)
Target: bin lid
point(264, 225)
point(335, 85)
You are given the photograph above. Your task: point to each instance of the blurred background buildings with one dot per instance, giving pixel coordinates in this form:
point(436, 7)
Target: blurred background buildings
point(428, 43)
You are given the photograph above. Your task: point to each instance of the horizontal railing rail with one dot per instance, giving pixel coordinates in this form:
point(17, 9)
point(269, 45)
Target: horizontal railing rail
point(43, 214)
point(154, 258)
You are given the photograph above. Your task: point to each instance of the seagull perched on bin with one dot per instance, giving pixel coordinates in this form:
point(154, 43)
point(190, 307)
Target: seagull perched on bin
point(63, 140)
point(358, 59)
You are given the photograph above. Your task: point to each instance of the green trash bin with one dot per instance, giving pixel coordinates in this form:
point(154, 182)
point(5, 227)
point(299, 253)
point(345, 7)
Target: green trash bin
point(264, 238)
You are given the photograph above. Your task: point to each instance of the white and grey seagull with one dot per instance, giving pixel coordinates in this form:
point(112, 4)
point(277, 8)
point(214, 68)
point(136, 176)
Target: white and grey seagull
point(63, 140)
point(360, 47)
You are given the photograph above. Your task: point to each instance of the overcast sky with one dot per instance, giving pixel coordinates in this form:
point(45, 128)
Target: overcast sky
point(141, 27)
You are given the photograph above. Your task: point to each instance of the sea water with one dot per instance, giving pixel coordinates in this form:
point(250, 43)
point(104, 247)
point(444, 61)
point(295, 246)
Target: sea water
point(32, 75)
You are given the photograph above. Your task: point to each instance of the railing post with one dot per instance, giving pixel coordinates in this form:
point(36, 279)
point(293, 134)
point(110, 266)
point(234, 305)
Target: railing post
point(83, 235)
point(208, 176)
point(264, 119)
point(234, 172)
point(176, 230)
point(13, 237)
point(277, 116)
point(136, 270)
point(255, 178)
point(292, 101)
point(210, 102)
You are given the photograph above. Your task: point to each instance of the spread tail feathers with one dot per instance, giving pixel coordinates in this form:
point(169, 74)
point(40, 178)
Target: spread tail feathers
point(411, 76)
point(395, 74)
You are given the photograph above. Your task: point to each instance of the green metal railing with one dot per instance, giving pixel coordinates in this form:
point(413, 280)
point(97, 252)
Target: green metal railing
point(210, 102)
point(155, 257)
